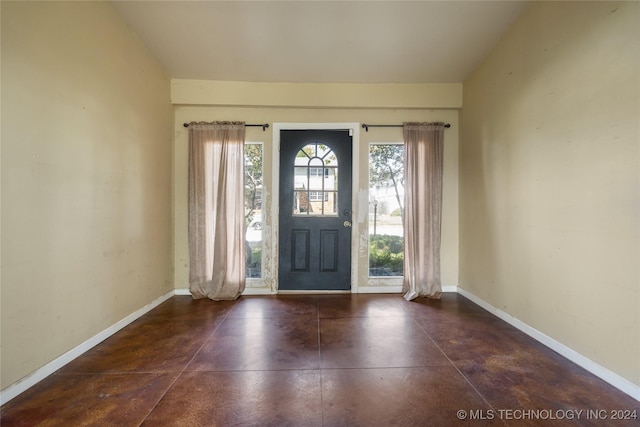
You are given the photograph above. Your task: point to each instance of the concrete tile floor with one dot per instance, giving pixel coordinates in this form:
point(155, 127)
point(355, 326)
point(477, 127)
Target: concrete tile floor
point(325, 360)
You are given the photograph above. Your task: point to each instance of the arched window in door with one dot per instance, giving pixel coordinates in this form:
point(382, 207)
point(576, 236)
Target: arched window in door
point(315, 181)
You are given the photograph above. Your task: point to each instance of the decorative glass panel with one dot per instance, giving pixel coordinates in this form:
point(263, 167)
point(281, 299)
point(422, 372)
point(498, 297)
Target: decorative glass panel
point(315, 181)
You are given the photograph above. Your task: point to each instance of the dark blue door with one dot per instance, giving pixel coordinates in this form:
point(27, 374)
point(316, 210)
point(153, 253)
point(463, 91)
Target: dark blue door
point(315, 210)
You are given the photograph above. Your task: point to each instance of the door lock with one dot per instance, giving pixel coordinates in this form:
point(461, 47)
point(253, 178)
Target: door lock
point(347, 224)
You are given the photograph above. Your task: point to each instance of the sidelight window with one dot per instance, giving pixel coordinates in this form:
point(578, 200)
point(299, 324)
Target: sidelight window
point(253, 159)
point(386, 209)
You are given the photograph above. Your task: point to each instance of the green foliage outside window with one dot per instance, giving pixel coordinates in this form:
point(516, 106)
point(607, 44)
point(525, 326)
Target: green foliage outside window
point(386, 255)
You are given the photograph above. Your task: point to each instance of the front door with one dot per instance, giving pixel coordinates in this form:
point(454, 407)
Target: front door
point(315, 210)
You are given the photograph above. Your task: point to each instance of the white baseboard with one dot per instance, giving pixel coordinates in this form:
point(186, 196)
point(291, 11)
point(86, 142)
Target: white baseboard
point(294, 292)
point(394, 289)
point(596, 369)
point(258, 291)
point(360, 290)
point(247, 291)
point(38, 375)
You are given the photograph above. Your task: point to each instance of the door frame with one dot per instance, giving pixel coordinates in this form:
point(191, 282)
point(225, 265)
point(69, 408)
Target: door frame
point(275, 194)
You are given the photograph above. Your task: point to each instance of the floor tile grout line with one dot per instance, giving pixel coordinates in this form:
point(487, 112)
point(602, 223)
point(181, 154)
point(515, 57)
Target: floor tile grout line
point(456, 368)
point(187, 364)
point(320, 363)
point(352, 368)
point(107, 373)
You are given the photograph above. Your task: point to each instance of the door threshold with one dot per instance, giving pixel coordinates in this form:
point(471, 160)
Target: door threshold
point(312, 292)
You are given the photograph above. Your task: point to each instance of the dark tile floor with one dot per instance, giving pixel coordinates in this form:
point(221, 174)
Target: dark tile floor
point(332, 360)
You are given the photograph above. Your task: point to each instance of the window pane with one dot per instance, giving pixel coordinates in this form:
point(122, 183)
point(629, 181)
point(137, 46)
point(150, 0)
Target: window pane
point(301, 180)
point(253, 208)
point(315, 179)
point(315, 161)
point(386, 204)
point(300, 202)
point(330, 159)
point(330, 203)
point(330, 179)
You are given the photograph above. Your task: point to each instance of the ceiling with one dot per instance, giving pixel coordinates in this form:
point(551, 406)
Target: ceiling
point(320, 41)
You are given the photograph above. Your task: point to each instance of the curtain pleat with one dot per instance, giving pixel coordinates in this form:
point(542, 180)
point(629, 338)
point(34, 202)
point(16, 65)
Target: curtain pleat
point(216, 210)
point(424, 148)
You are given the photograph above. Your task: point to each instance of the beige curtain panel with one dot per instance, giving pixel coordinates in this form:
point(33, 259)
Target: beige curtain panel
point(216, 210)
point(424, 148)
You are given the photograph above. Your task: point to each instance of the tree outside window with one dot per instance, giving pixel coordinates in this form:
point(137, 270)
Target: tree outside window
point(253, 160)
point(386, 209)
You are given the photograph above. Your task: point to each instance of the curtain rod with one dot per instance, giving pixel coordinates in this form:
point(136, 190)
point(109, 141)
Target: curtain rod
point(264, 126)
point(366, 126)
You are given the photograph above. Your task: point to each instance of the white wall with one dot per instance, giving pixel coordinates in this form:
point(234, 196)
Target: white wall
point(549, 178)
point(86, 178)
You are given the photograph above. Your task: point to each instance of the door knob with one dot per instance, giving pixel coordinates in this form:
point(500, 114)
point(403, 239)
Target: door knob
point(347, 224)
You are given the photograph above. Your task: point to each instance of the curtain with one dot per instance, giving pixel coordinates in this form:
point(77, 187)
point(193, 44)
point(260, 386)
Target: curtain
point(424, 147)
point(216, 210)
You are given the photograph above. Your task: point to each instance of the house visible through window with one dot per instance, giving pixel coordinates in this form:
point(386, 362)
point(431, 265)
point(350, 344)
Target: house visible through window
point(316, 196)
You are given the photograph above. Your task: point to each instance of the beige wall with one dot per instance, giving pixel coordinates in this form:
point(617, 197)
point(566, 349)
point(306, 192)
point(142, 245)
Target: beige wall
point(549, 178)
point(316, 95)
point(86, 178)
point(436, 95)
